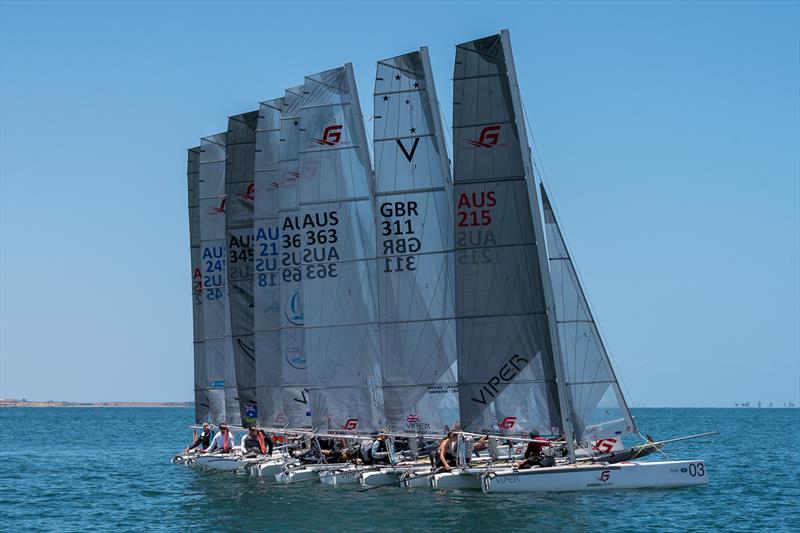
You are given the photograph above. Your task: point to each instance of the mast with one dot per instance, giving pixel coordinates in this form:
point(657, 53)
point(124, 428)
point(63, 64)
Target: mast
point(436, 111)
point(544, 267)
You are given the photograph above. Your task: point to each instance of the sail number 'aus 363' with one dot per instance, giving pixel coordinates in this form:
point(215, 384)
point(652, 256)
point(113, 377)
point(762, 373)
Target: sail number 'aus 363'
point(309, 246)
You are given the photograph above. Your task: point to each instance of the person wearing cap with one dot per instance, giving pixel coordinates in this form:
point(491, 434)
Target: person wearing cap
point(203, 440)
point(257, 442)
point(222, 441)
point(533, 452)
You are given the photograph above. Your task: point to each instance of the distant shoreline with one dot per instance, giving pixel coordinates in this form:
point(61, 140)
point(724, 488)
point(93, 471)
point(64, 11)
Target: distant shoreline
point(22, 403)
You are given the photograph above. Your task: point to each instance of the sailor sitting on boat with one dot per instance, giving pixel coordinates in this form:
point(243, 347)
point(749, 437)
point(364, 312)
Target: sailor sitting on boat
point(534, 453)
point(222, 441)
point(375, 451)
point(256, 442)
point(203, 440)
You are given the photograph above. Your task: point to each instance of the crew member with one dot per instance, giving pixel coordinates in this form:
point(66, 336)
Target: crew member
point(445, 454)
point(257, 442)
point(533, 452)
point(203, 440)
point(222, 441)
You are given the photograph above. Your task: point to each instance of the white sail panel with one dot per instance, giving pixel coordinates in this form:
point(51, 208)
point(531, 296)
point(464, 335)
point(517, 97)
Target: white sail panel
point(599, 409)
point(221, 371)
point(335, 234)
point(296, 408)
point(415, 250)
point(266, 280)
point(507, 379)
point(240, 193)
point(201, 403)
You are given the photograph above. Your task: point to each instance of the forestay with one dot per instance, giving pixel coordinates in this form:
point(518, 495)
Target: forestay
point(221, 372)
point(599, 409)
point(506, 367)
point(334, 238)
point(201, 405)
point(266, 287)
point(296, 408)
point(415, 249)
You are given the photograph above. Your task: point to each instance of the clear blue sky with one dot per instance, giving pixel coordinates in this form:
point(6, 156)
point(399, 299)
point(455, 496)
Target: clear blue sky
point(670, 135)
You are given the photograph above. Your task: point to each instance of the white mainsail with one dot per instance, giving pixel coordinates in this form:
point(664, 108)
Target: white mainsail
point(506, 362)
point(221, 371)
point(239, 190)
point(415, 249)
point(294, 404)
point(266, 249)
point(201, 404)
point(334, 239)
point(599, 409)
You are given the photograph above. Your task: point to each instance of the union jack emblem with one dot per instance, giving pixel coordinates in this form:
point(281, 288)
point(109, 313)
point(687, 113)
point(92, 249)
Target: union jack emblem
point(411, 419)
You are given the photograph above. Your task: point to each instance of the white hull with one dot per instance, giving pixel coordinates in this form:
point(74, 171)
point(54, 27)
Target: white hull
point(661, 475)
point(224, 463)
point(344, 476)
point(383, 476)
point(418, 479)
point(308, 473)
point(268, 469)
point(456, 479)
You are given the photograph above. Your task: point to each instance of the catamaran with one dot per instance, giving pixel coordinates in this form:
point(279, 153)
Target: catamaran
point(413, 301)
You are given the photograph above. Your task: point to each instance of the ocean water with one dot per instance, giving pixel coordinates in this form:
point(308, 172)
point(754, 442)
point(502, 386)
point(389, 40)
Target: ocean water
point(72, 469)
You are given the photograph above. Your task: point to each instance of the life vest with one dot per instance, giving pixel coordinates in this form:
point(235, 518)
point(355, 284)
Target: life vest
point(261, 444)
point(226, 441)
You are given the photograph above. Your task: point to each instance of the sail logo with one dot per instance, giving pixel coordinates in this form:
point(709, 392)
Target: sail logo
point(507, 373)
point(280, 419)
point(249, 194)
point(251, 411)
point(295, 312)
point(218, 210)
point(604, 476)
point(604, 445)
point(330, 136)
point(351, 424)
point(508, 422)
point(295, 358)
point(293, 176)
point(409, 154)
point(218, 384)
point(412, 419)
point(488, 138)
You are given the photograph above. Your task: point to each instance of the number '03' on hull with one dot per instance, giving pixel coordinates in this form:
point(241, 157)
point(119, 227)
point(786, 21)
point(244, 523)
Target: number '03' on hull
point(664, 474)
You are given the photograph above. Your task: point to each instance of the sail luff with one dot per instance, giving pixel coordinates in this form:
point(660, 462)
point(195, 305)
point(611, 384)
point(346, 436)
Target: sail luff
point(544, 266)
point(436, 111)
point(201, 405)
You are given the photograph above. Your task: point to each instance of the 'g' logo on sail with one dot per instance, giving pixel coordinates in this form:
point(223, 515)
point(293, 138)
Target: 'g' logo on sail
point(489, 137)
point(331, 135)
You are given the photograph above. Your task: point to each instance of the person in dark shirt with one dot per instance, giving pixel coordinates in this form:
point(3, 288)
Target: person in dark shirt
point(202, 440)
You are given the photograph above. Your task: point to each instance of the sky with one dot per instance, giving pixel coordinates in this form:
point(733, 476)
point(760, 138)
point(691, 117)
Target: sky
point(669, 135)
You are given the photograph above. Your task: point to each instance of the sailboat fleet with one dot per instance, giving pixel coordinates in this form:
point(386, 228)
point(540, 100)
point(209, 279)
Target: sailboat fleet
point(334, 300)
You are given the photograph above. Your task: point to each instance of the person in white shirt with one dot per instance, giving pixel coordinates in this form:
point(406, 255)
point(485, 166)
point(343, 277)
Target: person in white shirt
point(222, 441)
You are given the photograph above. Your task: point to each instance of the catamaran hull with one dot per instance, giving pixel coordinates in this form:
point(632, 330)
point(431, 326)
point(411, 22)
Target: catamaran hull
point(267, 469)
point(226, 463)
point(307, 473)
point(347, 476)
point(456, 479)
point(374, 478)
point(658, 475)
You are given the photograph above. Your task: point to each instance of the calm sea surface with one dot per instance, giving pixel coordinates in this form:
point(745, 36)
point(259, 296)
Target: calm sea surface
point(109, 469)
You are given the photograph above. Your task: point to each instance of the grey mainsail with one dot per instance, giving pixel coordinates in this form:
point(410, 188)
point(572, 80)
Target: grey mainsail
point(266, 247)
point(335, 237)
point(201, 404)
point(221, 372)
point(296, 406)
point(506, 363)
point(599, 409)
point(415, 249)
point(240, 193)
